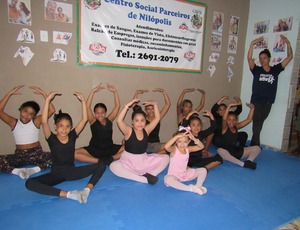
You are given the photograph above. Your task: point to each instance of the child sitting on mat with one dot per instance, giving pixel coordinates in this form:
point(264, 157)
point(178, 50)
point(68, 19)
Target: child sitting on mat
point(135, 164)
point(178, 172)
point(62, 146)
point(26, 131)
point(196, 159)
point(101, 145)
point(229, 150)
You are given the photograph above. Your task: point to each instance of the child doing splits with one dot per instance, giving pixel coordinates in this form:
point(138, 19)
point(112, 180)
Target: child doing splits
point(62, 146)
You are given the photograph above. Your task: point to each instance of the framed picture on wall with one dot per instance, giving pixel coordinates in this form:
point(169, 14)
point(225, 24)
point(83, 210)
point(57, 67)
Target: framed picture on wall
point(234, 25)
point(216, 42)
point(19, 12)
point(283, 24)
point(232, 44)
point(261, 27)
point(58, 11)
point(218, 21)
point(279, 45)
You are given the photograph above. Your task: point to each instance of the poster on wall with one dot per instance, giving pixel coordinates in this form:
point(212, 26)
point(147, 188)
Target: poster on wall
point(234, 25)
point(142, 34)
point(216, 42)
point(19, 12)
point(283, 24)
point(58, 11)
point(218, 21)
point(232, 44)
point(261, 27)
point(279, 44)
point(263, 44)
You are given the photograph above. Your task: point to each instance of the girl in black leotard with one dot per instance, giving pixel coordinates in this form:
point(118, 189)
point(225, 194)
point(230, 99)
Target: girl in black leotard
point(229, 150)
point(62, 146)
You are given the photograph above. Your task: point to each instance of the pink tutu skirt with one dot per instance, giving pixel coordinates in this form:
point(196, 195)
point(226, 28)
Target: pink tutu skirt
point(142, 163)
point(183, 176)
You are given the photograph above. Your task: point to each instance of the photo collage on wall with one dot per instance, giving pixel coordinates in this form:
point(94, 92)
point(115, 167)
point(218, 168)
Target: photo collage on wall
point(216, 42)
point(20, 13)
point(279, 28)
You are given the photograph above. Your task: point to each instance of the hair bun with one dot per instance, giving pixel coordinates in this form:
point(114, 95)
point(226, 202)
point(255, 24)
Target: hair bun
point(137, 108)
point(56, 114)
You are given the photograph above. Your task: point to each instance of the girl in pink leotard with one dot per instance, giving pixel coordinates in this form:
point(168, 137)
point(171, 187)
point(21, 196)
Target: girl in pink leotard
point(179, 155)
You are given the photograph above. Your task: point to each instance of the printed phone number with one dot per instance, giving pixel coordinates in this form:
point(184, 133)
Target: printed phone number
point(146, 56)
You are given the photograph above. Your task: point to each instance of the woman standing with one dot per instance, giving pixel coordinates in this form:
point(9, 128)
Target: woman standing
point(264, 86)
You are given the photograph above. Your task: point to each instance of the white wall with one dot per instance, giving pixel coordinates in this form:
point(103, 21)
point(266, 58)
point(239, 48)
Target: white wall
point(262, 10)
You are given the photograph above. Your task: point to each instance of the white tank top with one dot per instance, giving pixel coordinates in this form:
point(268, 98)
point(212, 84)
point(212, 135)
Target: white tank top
point(25, 133)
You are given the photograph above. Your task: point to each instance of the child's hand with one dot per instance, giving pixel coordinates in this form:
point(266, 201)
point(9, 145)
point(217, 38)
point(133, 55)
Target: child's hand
point(133, 101)
point(250, 105)
point(190, 135)
point(182, 134)
point(158, 90)
point(222, 99)
point(201, 91)
point(146, 103)
point(38, 91)
point(110, 88)
point(237, 99)
point(257, 40)
point(141, 91)
point(191, 114)
point(51, 95)
point(79, 96)
point(189, 90)
point(235, 103)
point(98, 88)
point(14, 91)
point(207, 113)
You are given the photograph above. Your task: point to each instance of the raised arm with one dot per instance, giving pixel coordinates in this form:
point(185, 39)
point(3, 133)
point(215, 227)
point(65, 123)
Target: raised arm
point(138, 92)
point(169, 145)
point(202, 101)
point(167, 105)
point(91, 117)
point(79, 127)
point(185, 120)
point(113, 114)
point(51, 111)
point(248, 119)
point(289, 57)
point(222, 99)
point(224, 118)
point(45, 114)
point(239, 107)
point(179, 103)
point(125, 129)
point(251, 62)
point(198, 144)
point(191, 113)
point(156, 119)
point(9, 120)
point(215, 107)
